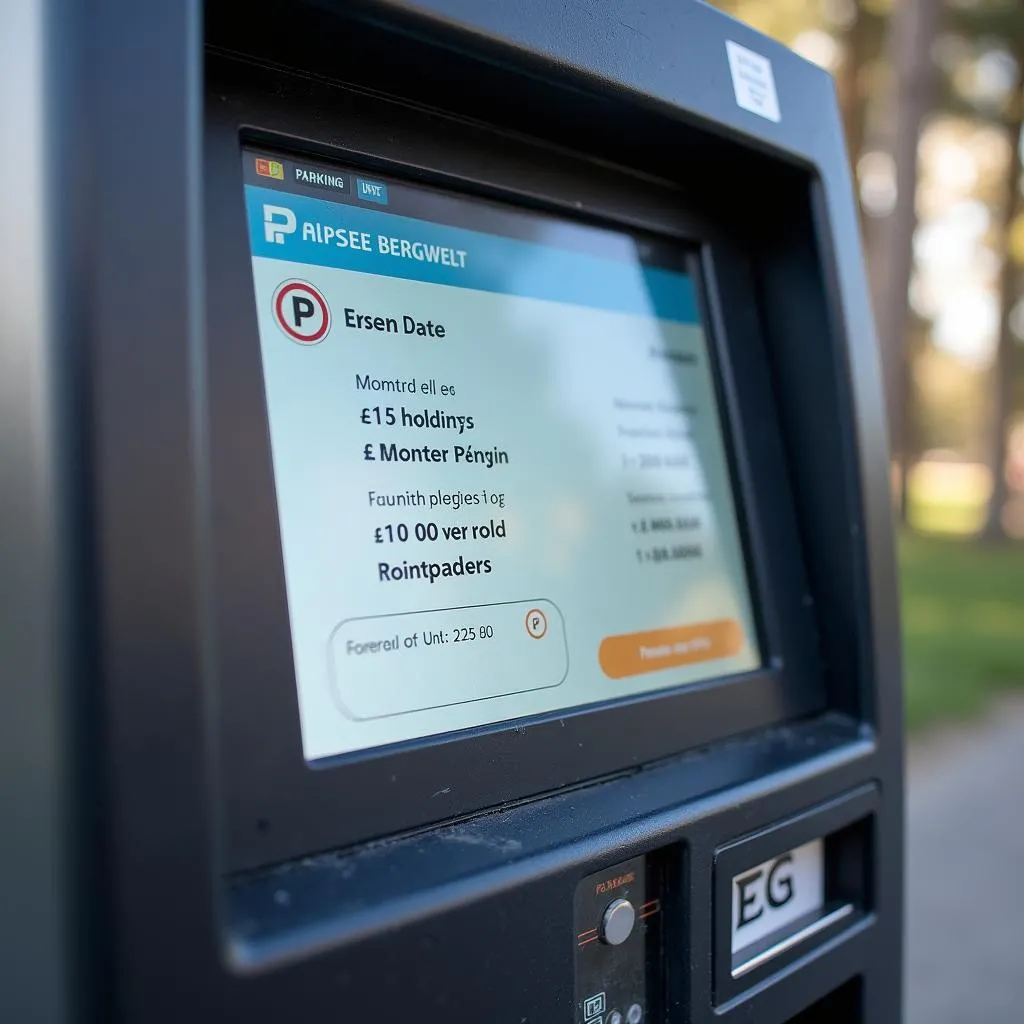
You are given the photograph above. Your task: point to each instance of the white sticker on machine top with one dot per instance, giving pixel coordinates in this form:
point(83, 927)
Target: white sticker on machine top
point(753, 81)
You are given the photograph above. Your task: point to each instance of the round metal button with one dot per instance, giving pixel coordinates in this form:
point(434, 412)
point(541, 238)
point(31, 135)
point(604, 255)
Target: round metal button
point(635, 1014)
point(617, 922)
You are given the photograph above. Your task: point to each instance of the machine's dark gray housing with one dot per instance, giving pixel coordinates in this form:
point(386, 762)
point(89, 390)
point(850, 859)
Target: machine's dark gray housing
point(171, 877)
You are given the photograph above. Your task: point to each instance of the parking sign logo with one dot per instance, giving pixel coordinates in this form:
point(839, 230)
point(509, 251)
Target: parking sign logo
point(301, 312)
point(278, 221)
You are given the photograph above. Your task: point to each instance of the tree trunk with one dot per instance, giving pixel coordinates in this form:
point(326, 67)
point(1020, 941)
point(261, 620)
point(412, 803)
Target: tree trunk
point(856, 45)
point(1002, 366)
point(913, 28)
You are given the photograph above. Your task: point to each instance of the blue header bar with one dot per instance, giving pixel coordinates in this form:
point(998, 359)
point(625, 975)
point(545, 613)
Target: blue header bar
point(301, 229)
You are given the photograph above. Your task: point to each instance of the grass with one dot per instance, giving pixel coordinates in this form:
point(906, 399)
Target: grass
point(963, 625)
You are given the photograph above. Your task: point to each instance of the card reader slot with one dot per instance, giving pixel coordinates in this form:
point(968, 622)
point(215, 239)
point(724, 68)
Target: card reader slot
point(790, 889)
point(784, 939)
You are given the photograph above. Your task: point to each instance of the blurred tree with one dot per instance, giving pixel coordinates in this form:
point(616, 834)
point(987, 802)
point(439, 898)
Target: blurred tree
point(913, 28)
point(861, 32)
point(886, 56)
point(1003, 367)
point(973, 87)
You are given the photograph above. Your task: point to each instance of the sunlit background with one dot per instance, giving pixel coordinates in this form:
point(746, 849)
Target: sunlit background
point(948, 75)
point(931, 96)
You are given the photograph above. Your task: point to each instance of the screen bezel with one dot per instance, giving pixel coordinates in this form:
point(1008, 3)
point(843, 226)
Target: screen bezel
point(277, 806)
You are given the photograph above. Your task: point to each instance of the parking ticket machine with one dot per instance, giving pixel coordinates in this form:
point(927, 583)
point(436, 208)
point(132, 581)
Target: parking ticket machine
point(446, 482)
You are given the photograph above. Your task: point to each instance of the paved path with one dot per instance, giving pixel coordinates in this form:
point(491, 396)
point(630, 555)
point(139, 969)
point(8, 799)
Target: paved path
point(965, 874)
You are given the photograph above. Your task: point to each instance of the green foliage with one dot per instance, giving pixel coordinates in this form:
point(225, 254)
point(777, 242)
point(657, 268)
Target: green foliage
point(963, 625)
point(1001, 20)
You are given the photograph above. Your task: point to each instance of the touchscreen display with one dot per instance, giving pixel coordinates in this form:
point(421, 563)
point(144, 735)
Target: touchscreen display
point(501, 478)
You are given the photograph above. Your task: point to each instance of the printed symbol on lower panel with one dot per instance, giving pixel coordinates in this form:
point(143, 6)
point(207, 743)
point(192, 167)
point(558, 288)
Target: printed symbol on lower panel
point(593, 1007)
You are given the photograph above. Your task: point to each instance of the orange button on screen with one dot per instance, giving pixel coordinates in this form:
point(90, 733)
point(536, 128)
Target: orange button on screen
point(632, 654)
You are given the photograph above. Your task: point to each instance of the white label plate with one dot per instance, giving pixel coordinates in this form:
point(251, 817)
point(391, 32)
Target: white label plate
point(753, 81)
point(777, 892)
